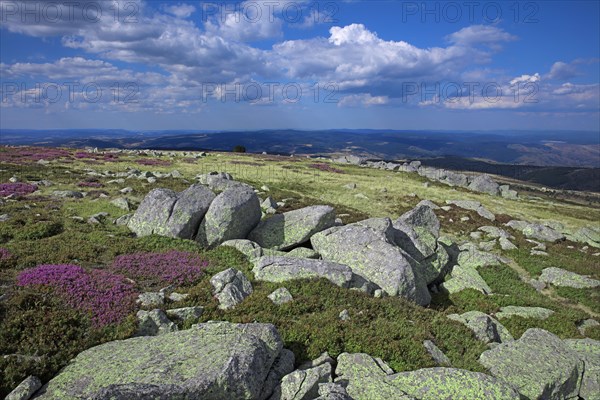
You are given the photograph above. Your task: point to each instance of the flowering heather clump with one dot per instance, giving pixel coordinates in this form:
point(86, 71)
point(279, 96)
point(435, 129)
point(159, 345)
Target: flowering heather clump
point(19, 189)
point(30, 155)
point(326, 168)
point(154, 162)
point(83, 154)
point(107, 297)
point(5, 256)
point(155, 269)
point(90, 184)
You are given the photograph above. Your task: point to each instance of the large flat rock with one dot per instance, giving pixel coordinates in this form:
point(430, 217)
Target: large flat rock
point(281, 269)
point(218, 360)
point(284, 231)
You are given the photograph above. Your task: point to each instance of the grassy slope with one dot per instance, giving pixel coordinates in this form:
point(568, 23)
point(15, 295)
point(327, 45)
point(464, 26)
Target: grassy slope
point(41, 230)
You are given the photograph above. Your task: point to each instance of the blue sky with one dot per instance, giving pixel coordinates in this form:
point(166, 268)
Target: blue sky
point(135, 64)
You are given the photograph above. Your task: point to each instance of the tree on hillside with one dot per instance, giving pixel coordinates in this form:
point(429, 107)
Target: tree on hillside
point(239, 149)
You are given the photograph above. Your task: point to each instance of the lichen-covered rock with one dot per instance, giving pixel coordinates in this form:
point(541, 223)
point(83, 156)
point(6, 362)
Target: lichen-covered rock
point(332, 391)
point(366, 378)
point(539, 365)
point(588, 351)
point(438, 356)
point(418, 228)
point(230, 287)
point(281, 269)
point(167, 213)
point(280, 296)
point(67, 194)
point(561, 277)
point(462, 278)
point(303, 384)
point(485, 328)
point(484, 184)
point(214, 360)
point(524, 312)
point(508, 193)
point(185, 313)
point(302, 252)
point(536, 231)
point(370, 255)
point(473, 206)
point(247, 247)
point(231, 215)
point(283, 365)
point(150, 299)
point(26, 389)
point(154, 323)
point(589, 235)
point(471, 256)
point(495, 232)
point(284, 231)
point(506, 244)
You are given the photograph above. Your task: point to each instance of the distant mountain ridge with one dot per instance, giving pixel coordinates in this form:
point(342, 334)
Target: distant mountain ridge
point(554, 148)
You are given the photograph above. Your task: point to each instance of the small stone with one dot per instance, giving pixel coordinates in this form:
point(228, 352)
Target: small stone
point(185, 313)
point(26, 389)
point(231, 287)
point(438, 356)
point(465, 219)
point(149, 299)
point(121, 203)
point(344, 315)
point(126, 190)
point(151, 180)
point(585, 324)
point(265, 188)
point(350, 186)
point(154, 323)
point(281, 296)
point(178, 297)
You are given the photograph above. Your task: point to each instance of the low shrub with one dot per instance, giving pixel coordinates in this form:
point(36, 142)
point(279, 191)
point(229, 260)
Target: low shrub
point(6, 258)
point(156, 269)
point(18, 189)
point(107, 297)
point(154, 162)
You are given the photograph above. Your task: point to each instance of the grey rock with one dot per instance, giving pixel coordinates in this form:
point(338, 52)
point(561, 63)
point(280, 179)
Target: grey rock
point(508, 193)
point(506, 244)
point(484, 184)
point(126, 190)
point(269, 202)
point(149, 299)
point(539, 364)
point(302, 252)
point(303, 384)
point(185, 313)
point(495, 232)
point(365, 377)
point(588, 351)
point(230, 287)
point(524, 312)
point(177, 296)
point(536, 231)
point(280, 296)
point(26, 389)
point(287, 230)
point(561, 277)
point(438, 356)
point(582, 326)
point(247, 247)
point(465, 277)
point(485, 328)
point(332, 391)
point(4, 217)
point(370, 255)
point(67, 194)
point(473, 206)
point(121, 202)
point(167, 213)
point(471, 256)
point(421, 227)
point(281, 269)
point(322, 359)
point(154, 323)
point(231, 215)
point(350, 186)
point(344, 315)
point(428, 203)
point(283, 365)
point(217, 360)
point(123, 220)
